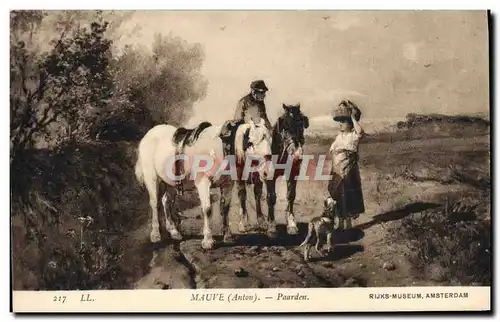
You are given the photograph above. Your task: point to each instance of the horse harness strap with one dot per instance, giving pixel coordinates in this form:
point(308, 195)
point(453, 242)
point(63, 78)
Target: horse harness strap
point(284, 142)
point(185, 137)
point(179, 168)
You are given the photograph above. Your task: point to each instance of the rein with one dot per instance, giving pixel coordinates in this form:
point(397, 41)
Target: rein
point(285, 142)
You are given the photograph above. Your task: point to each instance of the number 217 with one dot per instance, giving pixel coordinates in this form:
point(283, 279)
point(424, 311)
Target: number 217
point(61, 299)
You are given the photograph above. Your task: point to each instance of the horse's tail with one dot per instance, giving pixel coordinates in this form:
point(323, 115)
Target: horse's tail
point(139, 174)
point(144, 166)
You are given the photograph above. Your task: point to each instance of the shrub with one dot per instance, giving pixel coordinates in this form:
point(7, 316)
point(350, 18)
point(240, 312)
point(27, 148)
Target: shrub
point(69, 97)
point(53, 91)
point(157, 86)
point(57, 188)
point(451, 244)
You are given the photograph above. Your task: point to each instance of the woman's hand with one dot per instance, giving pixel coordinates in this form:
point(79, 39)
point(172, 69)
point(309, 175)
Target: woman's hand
point(354, 112)
point(357, 127)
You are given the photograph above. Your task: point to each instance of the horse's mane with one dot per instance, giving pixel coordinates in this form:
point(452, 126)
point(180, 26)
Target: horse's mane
point(238, 141)
point(277, 129)
point(275, 133)
point(278, 124)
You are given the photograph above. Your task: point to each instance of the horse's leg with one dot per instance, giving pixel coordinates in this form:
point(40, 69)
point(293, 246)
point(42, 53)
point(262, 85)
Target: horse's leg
point(168, 202)
point(226, 196)
point(152, 187)
point(291, 226)
point(242, 196)
point(257, 191)
point(203, 186)
point(271, 202)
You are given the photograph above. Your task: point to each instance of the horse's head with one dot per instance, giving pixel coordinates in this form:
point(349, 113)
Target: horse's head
point(290, 130)
point(253, 139)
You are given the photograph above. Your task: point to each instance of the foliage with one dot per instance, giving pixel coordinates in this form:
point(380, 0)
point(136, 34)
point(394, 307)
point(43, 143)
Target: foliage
point(62, 84)
point(158, 84)
point(82, 88)
point(97, 181)
point(70, 96)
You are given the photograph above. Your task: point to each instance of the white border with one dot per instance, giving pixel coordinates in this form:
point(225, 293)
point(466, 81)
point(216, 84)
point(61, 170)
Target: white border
point(207, 5)
point(295, 300)
point(258, 5)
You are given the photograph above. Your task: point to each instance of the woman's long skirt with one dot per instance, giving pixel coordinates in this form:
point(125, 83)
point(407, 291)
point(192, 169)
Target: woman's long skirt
point(347, 192)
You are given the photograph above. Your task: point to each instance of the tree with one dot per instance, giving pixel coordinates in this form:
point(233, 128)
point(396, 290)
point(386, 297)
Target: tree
point(76, 88)
point(59, 87)
point(164, 82)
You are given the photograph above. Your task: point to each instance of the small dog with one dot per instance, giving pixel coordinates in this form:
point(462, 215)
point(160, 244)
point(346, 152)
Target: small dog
point(321, 225)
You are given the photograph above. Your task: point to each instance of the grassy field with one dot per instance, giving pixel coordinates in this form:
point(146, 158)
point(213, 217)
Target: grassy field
point(428, 216)
point(428, 205)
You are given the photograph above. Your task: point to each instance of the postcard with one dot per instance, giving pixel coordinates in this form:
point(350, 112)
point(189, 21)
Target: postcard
point(250, 161)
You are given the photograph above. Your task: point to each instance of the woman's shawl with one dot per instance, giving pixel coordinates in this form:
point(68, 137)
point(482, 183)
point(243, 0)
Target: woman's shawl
point(343, 161)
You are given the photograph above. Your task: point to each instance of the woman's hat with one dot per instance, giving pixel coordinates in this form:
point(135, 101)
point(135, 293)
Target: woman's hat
point(343, 111)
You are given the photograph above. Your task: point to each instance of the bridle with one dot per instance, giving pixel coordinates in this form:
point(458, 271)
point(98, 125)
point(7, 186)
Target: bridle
point(288, 139)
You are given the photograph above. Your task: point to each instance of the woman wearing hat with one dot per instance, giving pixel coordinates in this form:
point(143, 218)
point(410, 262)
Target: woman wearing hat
point(345, 185)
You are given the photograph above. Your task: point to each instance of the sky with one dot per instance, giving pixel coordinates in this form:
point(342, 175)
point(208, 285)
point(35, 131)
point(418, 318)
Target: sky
point(390, 63)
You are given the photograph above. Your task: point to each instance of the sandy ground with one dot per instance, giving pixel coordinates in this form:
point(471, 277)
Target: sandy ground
point(361, 256)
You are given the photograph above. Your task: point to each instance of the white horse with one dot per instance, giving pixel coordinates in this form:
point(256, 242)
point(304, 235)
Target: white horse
point(156, 154)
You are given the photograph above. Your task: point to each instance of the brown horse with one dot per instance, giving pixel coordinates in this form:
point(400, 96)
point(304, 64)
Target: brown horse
point(287, 142)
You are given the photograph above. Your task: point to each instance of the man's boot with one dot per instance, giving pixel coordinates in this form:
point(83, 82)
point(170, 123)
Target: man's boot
point(178, 172)
point(178, 183)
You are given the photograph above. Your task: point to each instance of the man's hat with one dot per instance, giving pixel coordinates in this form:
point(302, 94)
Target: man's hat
point(259, 85)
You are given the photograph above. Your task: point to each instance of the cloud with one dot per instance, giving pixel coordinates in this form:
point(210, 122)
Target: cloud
point(301, 56)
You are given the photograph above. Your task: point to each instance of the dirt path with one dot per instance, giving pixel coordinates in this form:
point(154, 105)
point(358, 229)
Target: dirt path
point(362, 256)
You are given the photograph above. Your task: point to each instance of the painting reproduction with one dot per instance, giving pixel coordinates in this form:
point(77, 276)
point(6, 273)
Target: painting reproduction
point(250, 161)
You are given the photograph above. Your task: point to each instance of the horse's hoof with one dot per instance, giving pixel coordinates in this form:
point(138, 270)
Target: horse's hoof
point(207, 244)
point(228, 238)
point(272, 233)
point(271, 229)
point(292, 230)
point(175, 235)
point(155, 237)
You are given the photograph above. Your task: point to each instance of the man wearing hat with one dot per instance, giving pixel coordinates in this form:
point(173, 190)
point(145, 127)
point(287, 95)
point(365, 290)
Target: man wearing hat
point(251, 106)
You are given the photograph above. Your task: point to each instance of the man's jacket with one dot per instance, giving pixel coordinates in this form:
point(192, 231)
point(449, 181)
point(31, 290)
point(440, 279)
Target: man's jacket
point(249, 109)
